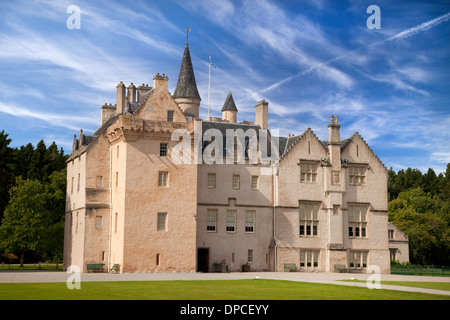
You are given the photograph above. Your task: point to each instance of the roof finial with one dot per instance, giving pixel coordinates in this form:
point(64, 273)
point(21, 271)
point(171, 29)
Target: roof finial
point(187, 34)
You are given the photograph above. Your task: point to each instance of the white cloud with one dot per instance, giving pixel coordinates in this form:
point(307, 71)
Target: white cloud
point(422, 27)
point(65, 121)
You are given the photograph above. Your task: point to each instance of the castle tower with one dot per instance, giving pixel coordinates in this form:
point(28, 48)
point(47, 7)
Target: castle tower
point(229, 110)
point(186, 93)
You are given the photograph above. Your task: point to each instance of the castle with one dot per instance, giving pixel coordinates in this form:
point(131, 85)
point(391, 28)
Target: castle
point(142, 194)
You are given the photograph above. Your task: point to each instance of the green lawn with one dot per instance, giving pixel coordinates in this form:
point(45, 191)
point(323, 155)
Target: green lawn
point(257, 289)
point(418, 284)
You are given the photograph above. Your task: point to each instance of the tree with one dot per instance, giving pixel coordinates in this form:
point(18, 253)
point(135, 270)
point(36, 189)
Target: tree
point(24, 216)
point(6, 159)
point(416, 213)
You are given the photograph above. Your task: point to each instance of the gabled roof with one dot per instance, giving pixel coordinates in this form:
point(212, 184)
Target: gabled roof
point(186, 85)
point(229, 104)
point(287, 144)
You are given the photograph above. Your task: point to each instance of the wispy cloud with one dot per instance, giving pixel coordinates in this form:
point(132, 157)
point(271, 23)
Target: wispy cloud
point(66, 121)
point(422, 27)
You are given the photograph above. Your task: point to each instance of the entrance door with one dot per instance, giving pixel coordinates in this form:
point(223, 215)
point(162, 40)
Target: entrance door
point(202, 260)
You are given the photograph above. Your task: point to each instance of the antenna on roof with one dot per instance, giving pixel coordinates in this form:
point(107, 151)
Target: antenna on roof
point(209, 82)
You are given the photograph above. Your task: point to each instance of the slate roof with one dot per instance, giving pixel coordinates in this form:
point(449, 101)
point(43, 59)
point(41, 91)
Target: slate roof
point(223, 126)
point(229, 104)
point(186, 85)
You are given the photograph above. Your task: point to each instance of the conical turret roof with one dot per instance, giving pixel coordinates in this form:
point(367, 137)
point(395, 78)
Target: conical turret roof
point(229, 104)
point(186, 85)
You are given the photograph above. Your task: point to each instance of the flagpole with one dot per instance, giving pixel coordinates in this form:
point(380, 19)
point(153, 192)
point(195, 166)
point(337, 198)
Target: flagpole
point(209, 84)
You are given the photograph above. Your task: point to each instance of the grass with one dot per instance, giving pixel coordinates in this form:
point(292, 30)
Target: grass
point(427, 285)
point(256, 289)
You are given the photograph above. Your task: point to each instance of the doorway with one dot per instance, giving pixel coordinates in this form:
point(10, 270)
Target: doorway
point(203, 260)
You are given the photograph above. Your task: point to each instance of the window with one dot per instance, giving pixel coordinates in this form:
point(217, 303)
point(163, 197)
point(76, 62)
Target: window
point(99, 182)
point(249, 221)
point(71, 187)
point(309, 220)
point(163, 149)
point(255, 185)
point(98, 222)
point(393, 254)
point(231, 221)
point(357, 223)
point(170, 116)
point(117, 151)
point(250, 256)
point(358, 259)
point(391, 234)
point(211, 180)
point(211, 220)
point(158, 256)
point(236, 179)
point(162, 179)
point(309, 258)
point(308, 172)
point(78, 184)
point(161, 222)
point(357, 175)
point(117, 179)
point(115, 222)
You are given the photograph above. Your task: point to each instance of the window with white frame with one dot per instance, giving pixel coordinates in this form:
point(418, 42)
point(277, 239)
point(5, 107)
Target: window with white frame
point(170, 116)
point(163, 147)
point(356, 175)
point(231, 221)
point(358, 259)
point(162, 178)
point(393, 253)
point(236, 181)
point(211, 220)
point(309, 258)
point(161, 222)
point(391, 234)
point(249, 221)
point(357, 221)
point(255, 185)
point(250, 255)
point(211, 180)
point(308, 172)
point(309, 219)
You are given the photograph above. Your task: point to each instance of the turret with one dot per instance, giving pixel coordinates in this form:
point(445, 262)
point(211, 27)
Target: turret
point(229, 110)
point(186, 93)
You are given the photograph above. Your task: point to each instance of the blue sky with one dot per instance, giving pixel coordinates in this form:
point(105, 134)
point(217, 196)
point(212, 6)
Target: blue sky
point(308, 59)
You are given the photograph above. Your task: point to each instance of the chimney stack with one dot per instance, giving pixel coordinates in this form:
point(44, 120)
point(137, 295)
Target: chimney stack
point(160, 81)
point(121, 98)
point(131, 93)
point(262, 114)
point(142, 90)
point(334, 143)
point(333, 130)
